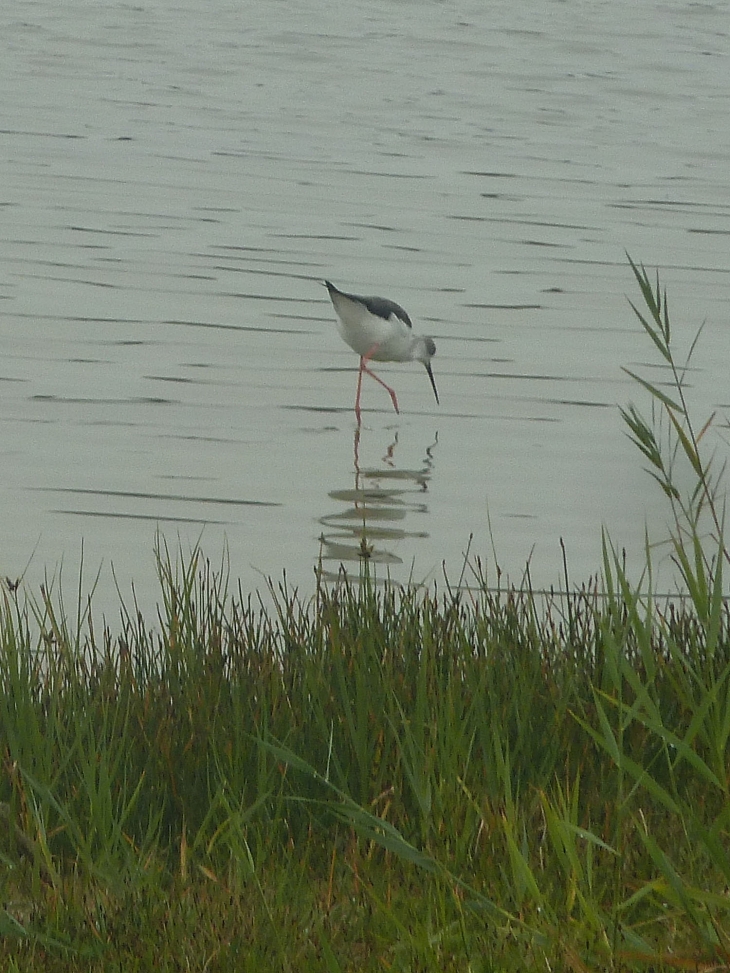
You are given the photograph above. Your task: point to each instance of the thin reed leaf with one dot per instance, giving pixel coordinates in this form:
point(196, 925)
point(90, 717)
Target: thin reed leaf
point(641, 776)
point(654, 333)
point(525, 883)
point(675, 889)
point(371, 827)
point(656, 392)
point(688, 446)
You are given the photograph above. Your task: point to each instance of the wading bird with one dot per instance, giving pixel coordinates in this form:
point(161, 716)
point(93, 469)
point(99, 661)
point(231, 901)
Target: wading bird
point(379, 330)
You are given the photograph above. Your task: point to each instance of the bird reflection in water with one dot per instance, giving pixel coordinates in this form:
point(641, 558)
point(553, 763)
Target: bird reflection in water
point(373, 516)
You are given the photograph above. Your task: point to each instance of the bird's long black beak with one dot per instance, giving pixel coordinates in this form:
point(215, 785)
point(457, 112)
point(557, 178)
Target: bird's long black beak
point(433, 383)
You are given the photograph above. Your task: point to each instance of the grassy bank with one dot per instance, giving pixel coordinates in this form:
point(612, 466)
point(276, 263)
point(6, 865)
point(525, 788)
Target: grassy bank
point(379, 779)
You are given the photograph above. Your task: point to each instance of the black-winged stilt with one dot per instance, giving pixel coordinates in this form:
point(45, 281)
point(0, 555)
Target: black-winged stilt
point(379, 330)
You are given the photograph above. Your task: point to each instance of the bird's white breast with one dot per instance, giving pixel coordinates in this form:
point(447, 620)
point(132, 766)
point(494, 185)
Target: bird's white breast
point(363, 331)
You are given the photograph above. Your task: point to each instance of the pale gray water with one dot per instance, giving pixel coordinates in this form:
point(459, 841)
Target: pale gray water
point(176, 177)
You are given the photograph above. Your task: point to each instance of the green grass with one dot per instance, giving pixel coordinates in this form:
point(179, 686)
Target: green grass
point(379, 778)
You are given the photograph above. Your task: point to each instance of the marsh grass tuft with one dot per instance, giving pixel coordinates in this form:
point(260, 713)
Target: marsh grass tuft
point(482, 779)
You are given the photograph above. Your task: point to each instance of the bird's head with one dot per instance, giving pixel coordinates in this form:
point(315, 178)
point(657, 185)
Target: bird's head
point(424, 351)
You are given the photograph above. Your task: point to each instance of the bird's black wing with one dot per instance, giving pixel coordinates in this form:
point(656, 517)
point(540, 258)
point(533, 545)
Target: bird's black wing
point(381, 307)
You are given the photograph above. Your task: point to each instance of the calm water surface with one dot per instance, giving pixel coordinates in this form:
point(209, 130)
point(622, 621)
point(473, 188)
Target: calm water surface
point(174, 184)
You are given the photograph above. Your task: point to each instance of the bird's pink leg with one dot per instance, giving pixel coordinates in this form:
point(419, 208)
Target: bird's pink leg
point(357, 397)
point(364, 368)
